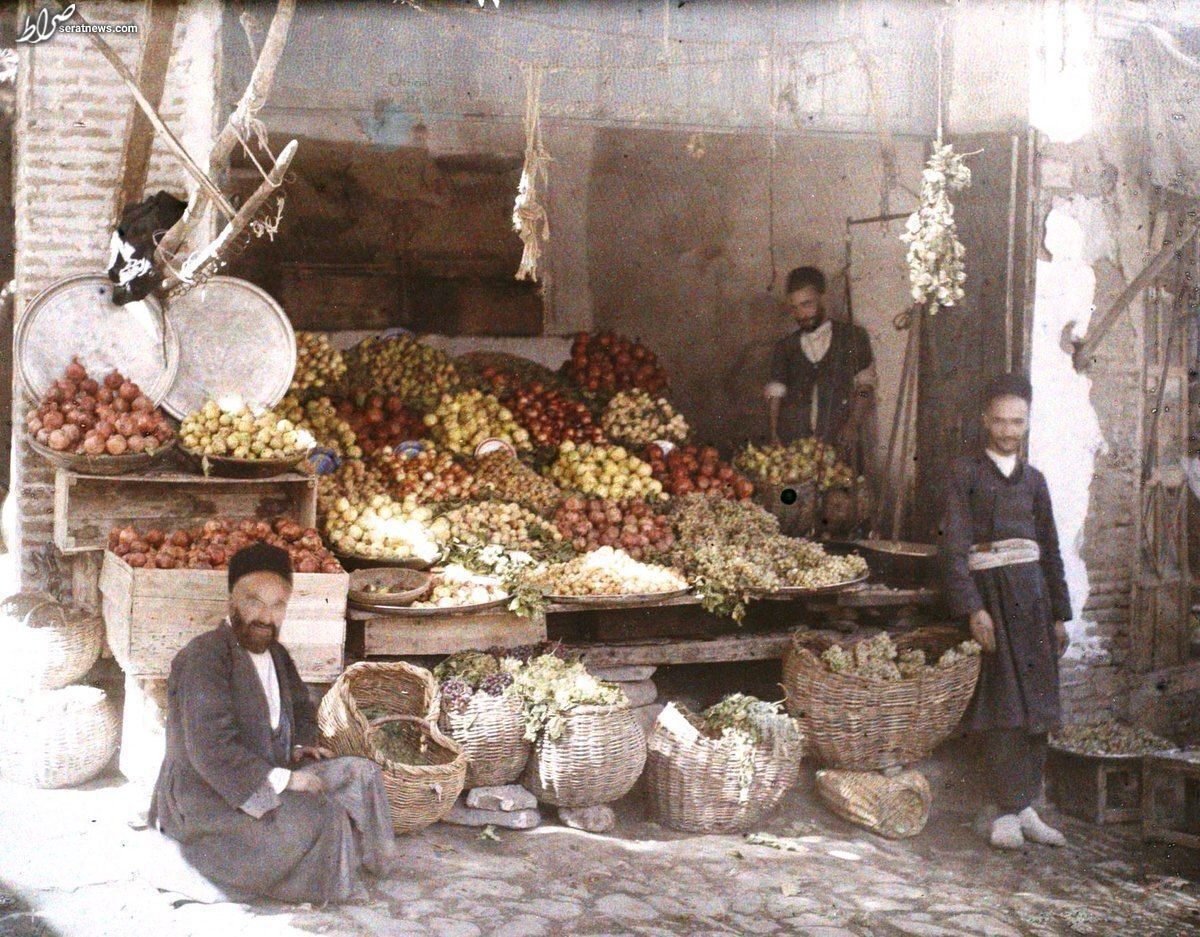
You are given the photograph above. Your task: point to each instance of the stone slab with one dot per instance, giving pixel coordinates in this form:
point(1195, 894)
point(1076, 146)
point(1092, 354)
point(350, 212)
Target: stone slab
point(462, 815)
point(507, 797)
point(591, 819)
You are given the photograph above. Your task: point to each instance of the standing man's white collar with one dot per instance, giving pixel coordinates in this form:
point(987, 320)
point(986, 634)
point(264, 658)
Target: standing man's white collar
point(815, 344)
point(1007, 464)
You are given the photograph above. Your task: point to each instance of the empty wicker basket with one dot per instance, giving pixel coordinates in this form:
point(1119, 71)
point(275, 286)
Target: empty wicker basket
point(896, 807)
point(422, 789)
point(697, 784)
point(854, 723)
point(491, 732)
point(597, 759)
point(57, 738)
point(46, 646)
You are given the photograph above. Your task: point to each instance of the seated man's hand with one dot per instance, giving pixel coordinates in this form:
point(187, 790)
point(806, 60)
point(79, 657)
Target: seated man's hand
point(306, 783)
point(301, 753)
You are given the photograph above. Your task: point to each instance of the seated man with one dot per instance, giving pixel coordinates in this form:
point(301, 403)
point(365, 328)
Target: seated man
point(255, 805)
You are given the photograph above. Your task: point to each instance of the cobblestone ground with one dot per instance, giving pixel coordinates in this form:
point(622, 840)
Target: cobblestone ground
point(71, 864)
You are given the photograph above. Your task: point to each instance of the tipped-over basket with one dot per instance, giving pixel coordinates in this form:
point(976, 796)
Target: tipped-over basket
point(47, 646)
point(865, 725)
point(491, 730)
point(420, 790)
point(895, 807)
point(700, 784)
point(597, 759)
point(57, 738)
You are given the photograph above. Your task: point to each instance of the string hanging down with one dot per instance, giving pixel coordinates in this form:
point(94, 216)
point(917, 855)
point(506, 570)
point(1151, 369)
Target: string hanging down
point(530, 220)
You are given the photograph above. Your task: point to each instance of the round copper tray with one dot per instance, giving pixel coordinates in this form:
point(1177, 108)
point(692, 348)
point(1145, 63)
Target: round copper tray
point(795, 592)
point(229, 467)
point(83, 464)
point(407, 611)
point(639, 598)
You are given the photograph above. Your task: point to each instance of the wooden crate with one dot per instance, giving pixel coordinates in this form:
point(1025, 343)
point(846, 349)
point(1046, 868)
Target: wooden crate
point(150, 614)
point(88, 507)
point(1171, 798)
point(1094, 788)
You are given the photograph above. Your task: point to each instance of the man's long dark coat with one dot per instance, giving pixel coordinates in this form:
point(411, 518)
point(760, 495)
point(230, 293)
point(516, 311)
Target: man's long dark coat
point(1018, 684)
point(219, 753)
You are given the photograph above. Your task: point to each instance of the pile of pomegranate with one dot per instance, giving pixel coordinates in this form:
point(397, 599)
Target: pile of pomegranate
point(210, 545)
point(381, 422)
point(633, 526)
point(605, 363)
point(691, 469)
point(83, 416)
point(551, 417)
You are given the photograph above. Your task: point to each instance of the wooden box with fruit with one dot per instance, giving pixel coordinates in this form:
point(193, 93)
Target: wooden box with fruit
point(161, 589)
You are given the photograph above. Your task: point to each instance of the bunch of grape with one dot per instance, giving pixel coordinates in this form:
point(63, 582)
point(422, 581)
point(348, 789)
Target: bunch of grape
point(494, 684)
point(456, 694)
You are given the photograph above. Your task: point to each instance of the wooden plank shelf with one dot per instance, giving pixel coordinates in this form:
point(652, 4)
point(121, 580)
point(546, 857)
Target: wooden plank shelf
point(416, 637)
point(664, 651)
point(88, 507)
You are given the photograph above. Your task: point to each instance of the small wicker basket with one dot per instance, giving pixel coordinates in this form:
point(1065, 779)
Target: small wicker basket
point(896, 807)
point(696, 783)
point(865, 725)
point(597, 759)
point(492, 733)
point(57, 738)
point(419, 794)
point(46, 646)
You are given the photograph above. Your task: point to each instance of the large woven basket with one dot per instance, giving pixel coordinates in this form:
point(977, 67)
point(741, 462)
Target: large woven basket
point(492, 733)
point(46, 646)
point(57, 738)
point(864, 725)
point(597, 759)
point(696, 782)
point(896, 807)
point(419, 794)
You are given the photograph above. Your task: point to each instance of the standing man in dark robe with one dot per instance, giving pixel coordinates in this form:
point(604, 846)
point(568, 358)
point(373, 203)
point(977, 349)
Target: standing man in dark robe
point(822, 375)
point(1004, 573)
point(256, 805)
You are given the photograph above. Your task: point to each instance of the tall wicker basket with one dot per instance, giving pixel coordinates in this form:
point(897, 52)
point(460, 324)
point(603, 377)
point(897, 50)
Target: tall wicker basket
point(420, 794)
point(597, 759)
point(696, 783)
point(492, 733)
point(46, 646)
point(57, 738)
point(865, 725)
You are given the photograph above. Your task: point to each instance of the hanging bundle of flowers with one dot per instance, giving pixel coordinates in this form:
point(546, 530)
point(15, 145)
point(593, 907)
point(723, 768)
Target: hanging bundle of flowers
point(935, 254)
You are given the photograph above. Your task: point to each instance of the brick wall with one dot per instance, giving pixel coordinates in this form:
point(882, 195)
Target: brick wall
point(71, 115)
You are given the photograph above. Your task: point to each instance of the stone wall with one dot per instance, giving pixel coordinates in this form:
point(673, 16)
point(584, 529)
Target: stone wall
point(72, 110)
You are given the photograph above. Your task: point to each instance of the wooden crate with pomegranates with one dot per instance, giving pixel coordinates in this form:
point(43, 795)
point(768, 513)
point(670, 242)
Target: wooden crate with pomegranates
point(150, 614)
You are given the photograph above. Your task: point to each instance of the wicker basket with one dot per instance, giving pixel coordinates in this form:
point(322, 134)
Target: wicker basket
point(46, 646)
point(695, 782)
point(492, 733)
point(419, 794)
point(57, 738)
point(896, 807)
point(865, 725)
point(597, 759)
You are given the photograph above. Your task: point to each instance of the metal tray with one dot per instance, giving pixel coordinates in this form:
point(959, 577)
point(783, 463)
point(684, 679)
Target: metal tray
point(795, 592)
point(76, 317)
point(234, 338)
point(638, 598)
point(407, 611)
point(84, 464)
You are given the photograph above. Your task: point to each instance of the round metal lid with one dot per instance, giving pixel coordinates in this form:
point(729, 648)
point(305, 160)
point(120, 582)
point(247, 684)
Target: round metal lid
point(76, 317)
point(234, 338)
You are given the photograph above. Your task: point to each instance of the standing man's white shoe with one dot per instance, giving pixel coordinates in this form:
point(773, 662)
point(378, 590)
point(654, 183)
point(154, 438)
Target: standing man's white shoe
point(1006, 832)
point(1036, 829)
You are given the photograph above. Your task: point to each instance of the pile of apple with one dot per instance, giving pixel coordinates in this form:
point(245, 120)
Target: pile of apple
point(633, 526)
point(605, 363)
point(462, 421)
point(607, 472)
point(381, 422)
point(82, 416)
point(210, 545)
point(689, 469)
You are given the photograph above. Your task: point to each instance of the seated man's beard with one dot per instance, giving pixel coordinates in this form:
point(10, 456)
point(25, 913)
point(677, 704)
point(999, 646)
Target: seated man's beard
point(813, 324)
point(249, 634)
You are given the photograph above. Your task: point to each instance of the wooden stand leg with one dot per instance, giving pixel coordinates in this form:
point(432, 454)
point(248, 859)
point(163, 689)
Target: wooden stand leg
point(143, 729)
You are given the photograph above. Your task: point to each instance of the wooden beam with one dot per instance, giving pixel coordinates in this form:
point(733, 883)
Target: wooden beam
point(1085, 349)
point(151, 78)
point(725, 649)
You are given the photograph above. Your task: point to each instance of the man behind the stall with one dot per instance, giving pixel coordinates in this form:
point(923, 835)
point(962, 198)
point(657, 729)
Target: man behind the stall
point(256, 806)
point(822, 375)
point(1003, 571)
